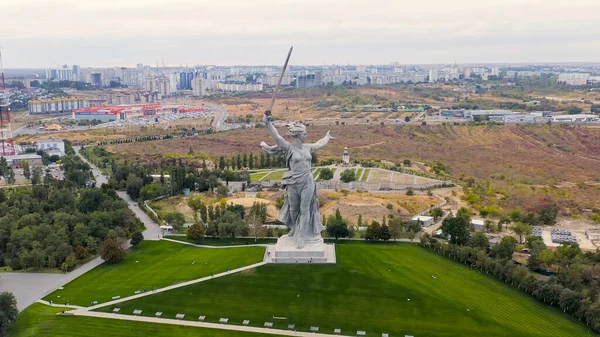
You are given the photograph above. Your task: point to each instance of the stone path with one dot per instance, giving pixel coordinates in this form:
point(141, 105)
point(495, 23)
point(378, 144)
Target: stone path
point(175, 286)
point(244, 328)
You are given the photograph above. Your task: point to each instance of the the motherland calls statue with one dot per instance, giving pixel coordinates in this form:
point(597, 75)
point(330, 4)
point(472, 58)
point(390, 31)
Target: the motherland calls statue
point(300, 211)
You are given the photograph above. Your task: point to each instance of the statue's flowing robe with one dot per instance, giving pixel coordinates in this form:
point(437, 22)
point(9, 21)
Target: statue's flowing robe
point(300, 188)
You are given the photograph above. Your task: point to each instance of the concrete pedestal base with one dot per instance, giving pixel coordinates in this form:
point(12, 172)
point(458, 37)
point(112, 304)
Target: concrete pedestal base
point(285, 251)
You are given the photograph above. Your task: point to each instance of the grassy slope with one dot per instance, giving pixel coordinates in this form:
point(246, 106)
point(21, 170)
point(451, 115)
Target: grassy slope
point(275, 175)
point(154, 264)
point(41, 321)
point(254, 177)
point(369, 290)
point(365, 175)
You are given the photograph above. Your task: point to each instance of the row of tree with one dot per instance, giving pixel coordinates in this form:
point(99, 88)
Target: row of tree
point(573, 285)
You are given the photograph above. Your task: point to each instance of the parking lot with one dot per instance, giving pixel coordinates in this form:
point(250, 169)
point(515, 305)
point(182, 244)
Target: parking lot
point(164, 118)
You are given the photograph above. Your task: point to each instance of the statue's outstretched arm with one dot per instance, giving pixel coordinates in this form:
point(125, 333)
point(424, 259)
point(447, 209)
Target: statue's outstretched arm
point(321, 143)
point(283, 145)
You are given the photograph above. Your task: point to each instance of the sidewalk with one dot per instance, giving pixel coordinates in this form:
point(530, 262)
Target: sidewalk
point(244, 328)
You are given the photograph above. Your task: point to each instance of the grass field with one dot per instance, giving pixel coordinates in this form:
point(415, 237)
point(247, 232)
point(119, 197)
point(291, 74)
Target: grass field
point(358, 173)
point(254, 177)
point(365, 175)
point(275, 175)
point(378, 289)
point(225, 242)
point(41, 321)
point(154, 264)
point(316, 172)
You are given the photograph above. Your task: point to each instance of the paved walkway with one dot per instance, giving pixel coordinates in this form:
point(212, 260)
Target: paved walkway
point(175, 286)
point(205, 246)
point(152, 231)
point(244, 328)
point(29, 287)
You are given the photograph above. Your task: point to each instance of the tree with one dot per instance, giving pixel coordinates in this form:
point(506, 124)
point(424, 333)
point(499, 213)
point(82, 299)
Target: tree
point(111, 251)
point(411, 234)
point(505, 248)
point(436, 213)
point(373, 231)
point(480, 241)
point(222, 163)
point(231, 225)
point(256, 219)
point(36, 175)
point(196, 232)
point(456, 227)
point(348, 176)
point(195, 203)
point(396, 228)
point(384, 233)
point(136, 239)
point(547, 215)
point(175, 219)
point(410, 192)
point(48, 177)
point(337, 226)
point(8, 311)
point(521, 230)
point(26, 170)
point(134, 185)
point(326, 174)
point(406, 162)
point(251, 161)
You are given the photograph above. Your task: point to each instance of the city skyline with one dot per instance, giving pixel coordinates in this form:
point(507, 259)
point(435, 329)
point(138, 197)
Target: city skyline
point(36, 34)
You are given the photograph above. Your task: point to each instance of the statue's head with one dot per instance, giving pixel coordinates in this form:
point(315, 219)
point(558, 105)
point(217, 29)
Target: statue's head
point(297, 130)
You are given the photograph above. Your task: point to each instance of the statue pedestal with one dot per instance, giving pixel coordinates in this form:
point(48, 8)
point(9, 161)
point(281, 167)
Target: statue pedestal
point(285, 251)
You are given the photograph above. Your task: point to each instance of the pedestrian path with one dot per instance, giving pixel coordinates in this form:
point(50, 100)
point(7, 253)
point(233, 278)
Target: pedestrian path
point(243, 328)
point(175, 286)
point(206, 246)
point(61, 305)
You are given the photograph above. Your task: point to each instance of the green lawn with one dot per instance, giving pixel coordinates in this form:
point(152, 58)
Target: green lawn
point(41, 321)
point(358, 173)
point(275, 175)
point(316, 172)
point(254, 177)
point(154, 264)
point(365, 175)
point(372, 288)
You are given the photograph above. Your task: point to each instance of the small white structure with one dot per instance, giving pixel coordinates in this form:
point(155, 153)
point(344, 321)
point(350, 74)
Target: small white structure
point(425, 221)
point(478, 224)
point(51, 146)
point(346, 157)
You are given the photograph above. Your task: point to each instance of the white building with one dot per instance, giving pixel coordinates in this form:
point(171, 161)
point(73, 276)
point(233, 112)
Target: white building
point(433, 75)
point(573, 78)
point(198, 86)
point(478, 224)
point(55, 146)
point(424, 220)
point(584, 118)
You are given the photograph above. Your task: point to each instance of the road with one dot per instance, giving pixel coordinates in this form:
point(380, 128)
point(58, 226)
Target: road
point(29, 287)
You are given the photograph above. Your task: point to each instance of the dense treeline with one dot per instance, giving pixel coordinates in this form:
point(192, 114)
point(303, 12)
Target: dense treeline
point(56, 224)
point(574, 284)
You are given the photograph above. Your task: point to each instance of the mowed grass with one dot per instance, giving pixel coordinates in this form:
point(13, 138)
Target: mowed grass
point(365, 175)
point(358, 174)
point(254, 177)
point(153, 264)
point(41, 321)
point(275, 175)
point(316, 172)
point(378, 289)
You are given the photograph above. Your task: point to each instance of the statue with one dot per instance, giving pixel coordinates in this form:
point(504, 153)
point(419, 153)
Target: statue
point(300, 211)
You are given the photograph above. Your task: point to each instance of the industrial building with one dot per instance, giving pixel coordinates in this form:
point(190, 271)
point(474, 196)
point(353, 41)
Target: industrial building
point(17, 160)
point(51, 146)
point(124, 112)
point(57, 105)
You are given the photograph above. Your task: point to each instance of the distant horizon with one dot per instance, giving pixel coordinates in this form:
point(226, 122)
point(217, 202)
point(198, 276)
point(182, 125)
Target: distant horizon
point(537, 64)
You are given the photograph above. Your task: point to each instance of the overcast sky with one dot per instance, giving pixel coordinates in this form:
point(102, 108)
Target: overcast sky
point(40, 33)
